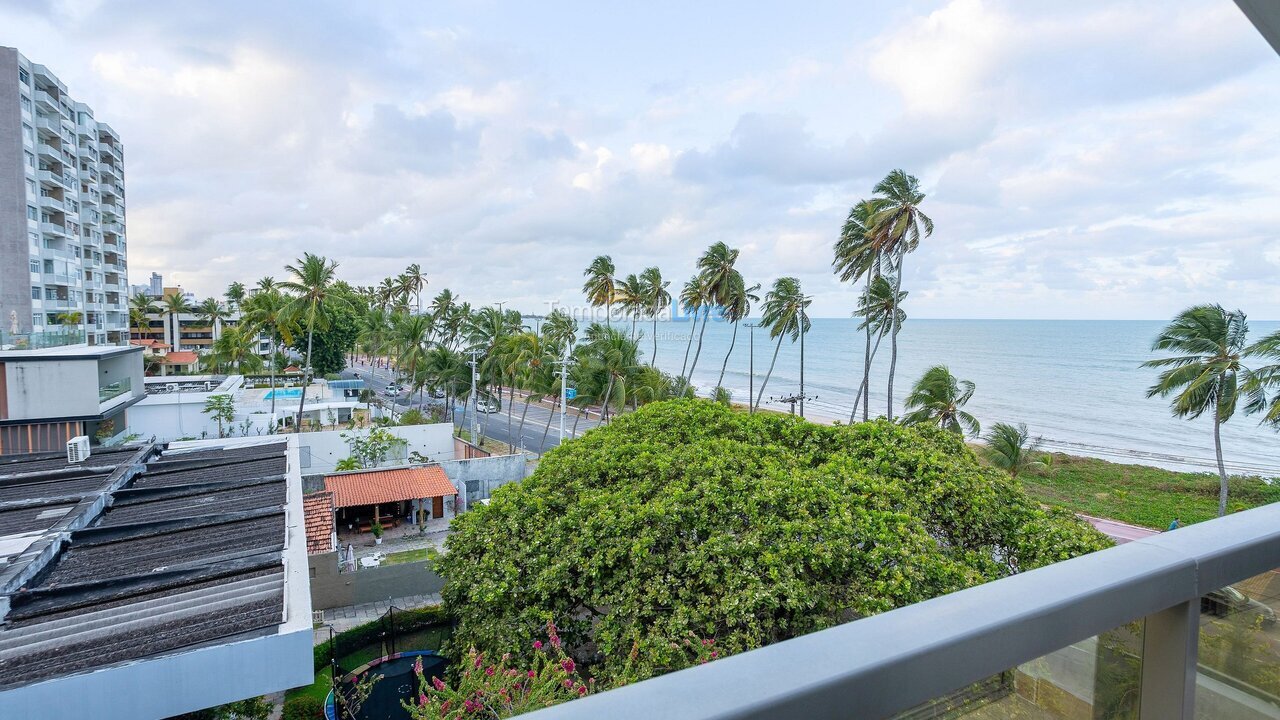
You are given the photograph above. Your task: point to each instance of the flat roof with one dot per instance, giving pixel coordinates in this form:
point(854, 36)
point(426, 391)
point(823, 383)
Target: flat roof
point(68, 352)
point(138, 553)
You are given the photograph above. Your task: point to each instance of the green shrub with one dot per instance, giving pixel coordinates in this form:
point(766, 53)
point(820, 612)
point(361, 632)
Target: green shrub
point(412, 417)
point(332, 376)
point(686, 517)
point(368, 633)
point(303, 707)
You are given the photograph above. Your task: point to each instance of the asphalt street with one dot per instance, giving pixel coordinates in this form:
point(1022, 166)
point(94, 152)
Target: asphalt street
point(503, 425)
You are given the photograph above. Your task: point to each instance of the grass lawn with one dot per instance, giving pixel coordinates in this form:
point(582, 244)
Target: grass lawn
point(1141, 495)
point(405, 556)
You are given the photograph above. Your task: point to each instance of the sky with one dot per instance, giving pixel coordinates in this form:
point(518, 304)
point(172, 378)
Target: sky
point(1092, 159)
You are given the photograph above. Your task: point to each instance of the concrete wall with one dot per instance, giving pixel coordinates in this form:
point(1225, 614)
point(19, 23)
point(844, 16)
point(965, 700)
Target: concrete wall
point(322, 450)
point(51, 388)
point(331, 589)
point(479, 477)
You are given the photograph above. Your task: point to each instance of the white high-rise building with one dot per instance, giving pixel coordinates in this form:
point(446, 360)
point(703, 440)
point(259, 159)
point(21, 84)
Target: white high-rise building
point(63, 275)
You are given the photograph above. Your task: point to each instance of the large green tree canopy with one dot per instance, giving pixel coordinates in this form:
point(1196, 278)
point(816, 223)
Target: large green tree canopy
point(687, 518)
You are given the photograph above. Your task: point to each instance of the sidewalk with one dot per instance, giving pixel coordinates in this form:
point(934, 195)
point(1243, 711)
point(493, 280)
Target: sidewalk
point(342, 619)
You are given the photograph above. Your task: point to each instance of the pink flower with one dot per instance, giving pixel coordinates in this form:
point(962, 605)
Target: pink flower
point(568, 683)
point(537, 644)
point(437, 683)
point(444, 706)
point(417, 665)
point(555, 641)
point(422, 699)
point(568, 665)
point(488, 671)
point(714, 654)
point(479, 660)
point(533, 674)
point(582, 690)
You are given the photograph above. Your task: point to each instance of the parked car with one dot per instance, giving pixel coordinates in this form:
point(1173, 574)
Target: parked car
point(437, 394)
point(391, 391)
point(1230, 601)
point(487, 406)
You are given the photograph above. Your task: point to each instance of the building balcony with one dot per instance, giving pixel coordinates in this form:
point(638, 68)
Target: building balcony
point(60, 279)
point(49, 152)
point(49, 126)
point(89, 176)
point(112, 228)
point(48, 102)
point(52, 203)
point(53, 178)
point(1131, 631)
point(110, 207)
point(107, 171)
point(50, 228)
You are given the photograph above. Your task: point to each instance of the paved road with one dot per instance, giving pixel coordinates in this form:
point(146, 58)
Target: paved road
point(1120, 532)
point(493, 425)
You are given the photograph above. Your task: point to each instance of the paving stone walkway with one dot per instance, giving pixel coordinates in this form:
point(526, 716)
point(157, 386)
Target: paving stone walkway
point(345, 618)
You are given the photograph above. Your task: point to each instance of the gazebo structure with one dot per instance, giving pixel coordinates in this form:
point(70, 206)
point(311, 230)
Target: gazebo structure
point(389, 497)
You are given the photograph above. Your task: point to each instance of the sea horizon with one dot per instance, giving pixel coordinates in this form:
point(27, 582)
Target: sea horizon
point(1077, 384)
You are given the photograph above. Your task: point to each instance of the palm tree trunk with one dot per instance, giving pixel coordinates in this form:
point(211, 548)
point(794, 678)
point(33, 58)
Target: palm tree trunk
point(604, 406)
point(863, 391)
point(581, 410)
point(633, 328)
point(523, 413)
point(511, 397)
point(1222, 470)
point(608, 313)
point(897, 325)
point(766, 377)
point(732, 341)
point(306, 371)
point(653, 361)
point(706, 320)
point(689, 346)
point(547, 430)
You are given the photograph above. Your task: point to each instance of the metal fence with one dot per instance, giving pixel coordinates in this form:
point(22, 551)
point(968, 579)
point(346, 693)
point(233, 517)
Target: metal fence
point(1150, 629)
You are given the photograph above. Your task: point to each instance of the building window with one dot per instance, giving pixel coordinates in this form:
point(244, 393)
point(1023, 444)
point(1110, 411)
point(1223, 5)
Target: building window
point(28, 134)
point(32, 213)
point(31, 159)
point(24, 77)
point(35, 266)
point(26, 103)
point(31, 185)
point(35, 293)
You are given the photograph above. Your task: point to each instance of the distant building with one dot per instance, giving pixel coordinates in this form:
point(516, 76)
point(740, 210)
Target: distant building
point(189, 331)
point(52, 395)
point(63, 274)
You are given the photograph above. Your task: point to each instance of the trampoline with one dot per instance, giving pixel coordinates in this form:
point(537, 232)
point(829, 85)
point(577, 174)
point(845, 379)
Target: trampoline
point(398, 683)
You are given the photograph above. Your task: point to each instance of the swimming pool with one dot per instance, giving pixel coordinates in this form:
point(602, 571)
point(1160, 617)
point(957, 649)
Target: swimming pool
point(283, 393)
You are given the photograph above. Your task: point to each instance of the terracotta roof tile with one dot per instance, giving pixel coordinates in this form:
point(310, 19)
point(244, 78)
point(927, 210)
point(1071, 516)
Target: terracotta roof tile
point(381, 486)
point(317, 508)
point(180, 357)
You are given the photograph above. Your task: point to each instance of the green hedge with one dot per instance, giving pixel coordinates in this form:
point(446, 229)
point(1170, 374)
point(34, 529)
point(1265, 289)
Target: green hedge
point(303, 707)
point(405, 621)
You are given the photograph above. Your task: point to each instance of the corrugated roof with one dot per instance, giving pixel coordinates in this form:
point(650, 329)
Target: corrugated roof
point(382, 486)
point(317, 508)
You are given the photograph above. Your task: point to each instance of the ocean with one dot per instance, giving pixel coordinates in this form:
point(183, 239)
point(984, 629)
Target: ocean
point(1076, 383)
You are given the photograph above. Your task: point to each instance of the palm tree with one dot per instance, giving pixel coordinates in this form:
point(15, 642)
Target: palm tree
point(630, 294)
point(1208, 372)
point(235, 295)
point(141, 306)
point(266, 283)
point(414, 281)
point(236, 347)
point(616, 356)
point(716, 269)
point(859, 253)
point(410, 338)
point(212, 312)
point(879, 309)
point(560, 331)
point(311, 281)
point(784, 315)
point(268, 311)
point(176, 304)
point(737, 306)
point(1011, 448)
point(656, 297)
point(692, 297)
point(938, 398)
point(600, 287)
point(1265, 378)
point(898, 222)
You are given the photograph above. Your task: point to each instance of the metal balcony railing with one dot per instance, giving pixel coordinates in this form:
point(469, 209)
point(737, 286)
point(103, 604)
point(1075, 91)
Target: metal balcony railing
point(114, 390)
point(1025, 629)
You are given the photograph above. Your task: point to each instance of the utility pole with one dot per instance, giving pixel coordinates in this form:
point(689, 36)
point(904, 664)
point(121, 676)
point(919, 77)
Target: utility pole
point(792, 400)
point(751, 373)
point(564, 388)
point(801, 362)
point(475, 405)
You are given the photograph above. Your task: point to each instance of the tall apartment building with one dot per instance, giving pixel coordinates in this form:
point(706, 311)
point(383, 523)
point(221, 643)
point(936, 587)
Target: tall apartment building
point(63, 276)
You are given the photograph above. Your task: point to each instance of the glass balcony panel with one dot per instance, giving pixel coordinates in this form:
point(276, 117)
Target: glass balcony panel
point(1239, 655)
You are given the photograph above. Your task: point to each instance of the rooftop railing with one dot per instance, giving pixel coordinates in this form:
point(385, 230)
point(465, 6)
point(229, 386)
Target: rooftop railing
point(40, 340)
point(1149, 629)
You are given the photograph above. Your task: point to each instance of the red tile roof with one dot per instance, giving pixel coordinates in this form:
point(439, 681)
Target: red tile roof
point(317, 511)
point(381, 486)
point(180, 357)
point(148, 343)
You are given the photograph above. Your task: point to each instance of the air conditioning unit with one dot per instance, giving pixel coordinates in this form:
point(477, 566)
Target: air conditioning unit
point(78, 449)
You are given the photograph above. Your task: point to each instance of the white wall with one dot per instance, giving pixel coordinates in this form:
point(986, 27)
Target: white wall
point(51, 388)
point(321, 451)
